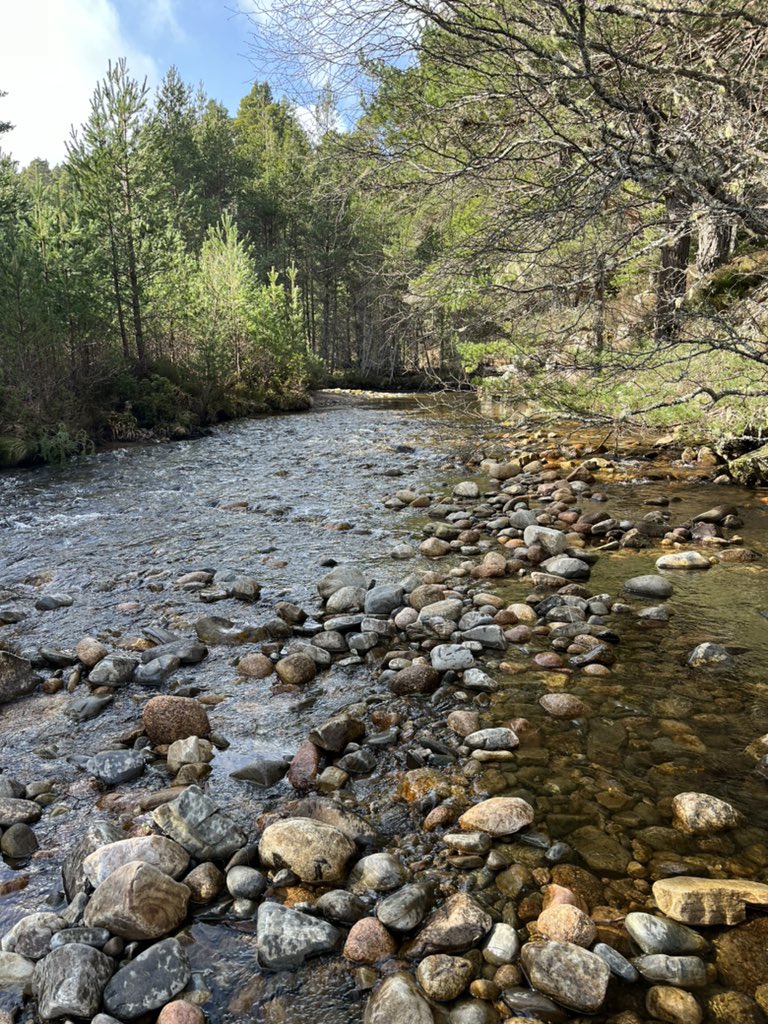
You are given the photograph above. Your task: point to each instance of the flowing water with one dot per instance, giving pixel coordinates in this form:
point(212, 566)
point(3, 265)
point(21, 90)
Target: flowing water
point(274, 498)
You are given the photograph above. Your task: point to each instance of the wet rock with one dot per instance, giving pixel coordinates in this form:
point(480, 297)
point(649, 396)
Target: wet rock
point(663, 1002)
point(181, 1012)
point(156, 672)
point(491, 637)
point(415, 679)
point(31, 936)
point(70, 980)
point(368, 942)
point(195, 822)
point(335, 733)
point(96, 937)
point(601, 852)
point(190, 750)
point(163, 854)
point(205, 883)
point(463, 723)
point(304, 767)
point(660, 935)
point(476, 679)
point(680, 971)
point(704, 901)
point(433, 547)
point(16, 677)
point(473, 1011)
point(18, 841)
point(742, 955)
point(405, 909)
point(444, 977)
point(310, 849)
point(114, 670)
point(618, 964)
point(285, 938)
point(566, 923)
point(296, 669)
point(189, 652)
point(13, 811)
point(341, 907)
point(98, 834)
point(567, 973)
point(214, 630)
point(564, 705)
point(499, 816)
point(265, 772)
point(683, 560)
point(245, 883)
point(398, 1001)
point(502, 946)
point(83, 709)
point(16, 973)
point(566, 567)
point(345, 599)
point(701, 814)
point(654, 587)
point(716, 514)
point(378, 872)
point(451, 658)
point(525, 1003)
point(735, 1008)
point(709, 655)
point(137, 901)
point(383, 599)
point(552, 541)
point(492, 739)
point(50, 602)
point(466, 489)
point(167, 719)
point(149, 981)
point(255, 666)
point(115, 766)
point(454, 928)
point(341, 576)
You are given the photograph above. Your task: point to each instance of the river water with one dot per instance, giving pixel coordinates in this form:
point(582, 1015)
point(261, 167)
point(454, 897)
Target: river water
point(274, 498)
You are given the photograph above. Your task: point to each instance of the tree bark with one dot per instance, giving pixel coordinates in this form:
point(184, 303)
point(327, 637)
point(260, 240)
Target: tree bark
point(673, 267)
point(717, 240)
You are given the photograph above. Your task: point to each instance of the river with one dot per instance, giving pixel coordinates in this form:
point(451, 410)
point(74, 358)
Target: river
point(275, 498)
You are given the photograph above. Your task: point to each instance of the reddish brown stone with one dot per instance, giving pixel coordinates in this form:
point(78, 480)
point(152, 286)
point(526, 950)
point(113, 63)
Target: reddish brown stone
point(369, 941)
point(305, 767)
point(167, 719)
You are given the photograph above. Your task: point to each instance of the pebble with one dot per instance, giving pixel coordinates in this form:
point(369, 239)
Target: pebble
point(167, 719)
point(181, 1012)
point(405, 909)
point(368, 942)
point(660, 935)
point(680, 971)
point(673, 1005)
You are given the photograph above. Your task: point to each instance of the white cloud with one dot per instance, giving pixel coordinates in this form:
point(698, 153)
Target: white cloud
point(52, 54)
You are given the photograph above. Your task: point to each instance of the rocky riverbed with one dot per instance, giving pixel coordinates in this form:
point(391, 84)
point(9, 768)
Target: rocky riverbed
point(375, 714)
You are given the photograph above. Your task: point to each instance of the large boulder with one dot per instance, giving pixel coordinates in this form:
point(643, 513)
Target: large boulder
point(149, 981)
point(137, 902)
point(163, 854)
point(312, 850)
point(70, 981)
point(195, 822)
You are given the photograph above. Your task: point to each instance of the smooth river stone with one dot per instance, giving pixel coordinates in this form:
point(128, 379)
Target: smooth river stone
point(14, 811)
point(567, 973)
point(164, 854)
point(137, 902)
point(566, 923)
point(664, 1002)
point(406, 908)
point(649, 586)
point(658, 935)
point(704, 901)
point(683, 560)
point(499, 816)
point(398, 1001)
point(680, 971)
point(312, 850)
point(456, 926)
point(564, 705)
point(700, 814)
point(444, 977)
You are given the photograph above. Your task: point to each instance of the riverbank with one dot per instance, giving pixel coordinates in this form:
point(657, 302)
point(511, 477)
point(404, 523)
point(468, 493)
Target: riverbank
point(472, 670)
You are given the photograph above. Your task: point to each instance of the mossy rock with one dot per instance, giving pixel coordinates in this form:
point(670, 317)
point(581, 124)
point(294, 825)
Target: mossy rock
point(751, 470)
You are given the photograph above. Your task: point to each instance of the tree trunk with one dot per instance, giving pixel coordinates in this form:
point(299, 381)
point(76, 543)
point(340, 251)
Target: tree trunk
point(673, 267)
point(717, 240)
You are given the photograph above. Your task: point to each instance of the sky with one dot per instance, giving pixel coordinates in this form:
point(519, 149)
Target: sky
point(53, 52)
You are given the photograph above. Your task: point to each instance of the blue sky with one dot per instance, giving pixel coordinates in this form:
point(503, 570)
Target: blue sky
point(52, 53)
